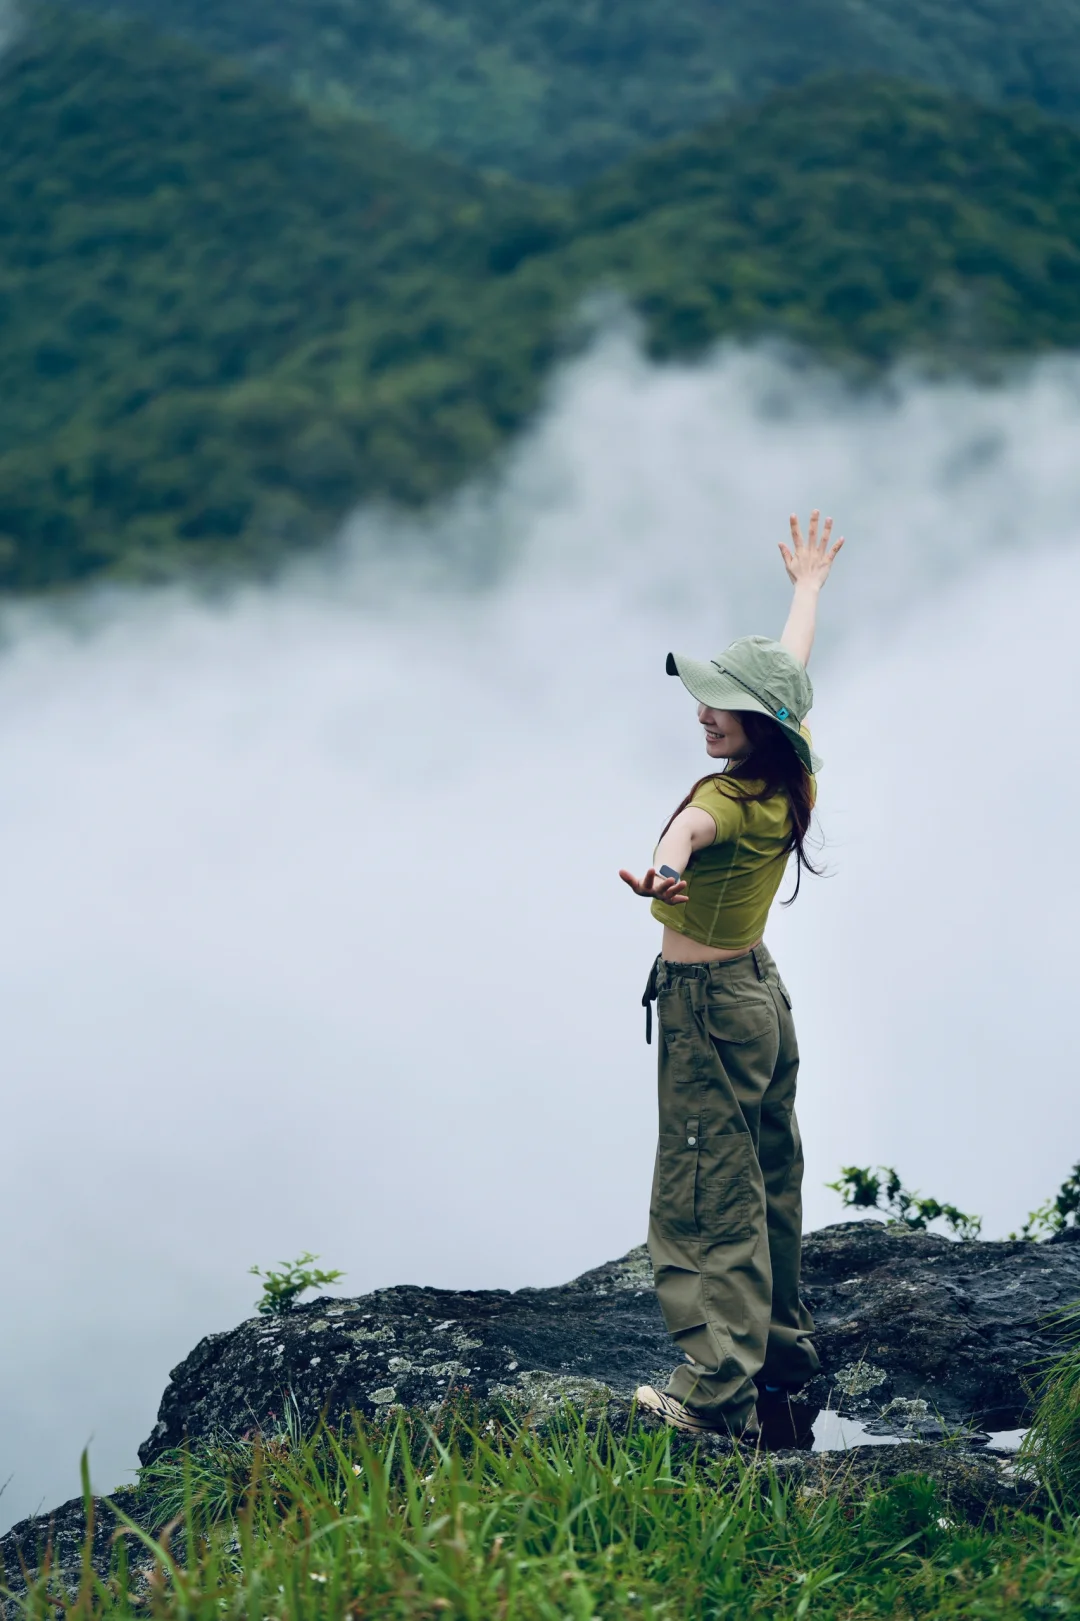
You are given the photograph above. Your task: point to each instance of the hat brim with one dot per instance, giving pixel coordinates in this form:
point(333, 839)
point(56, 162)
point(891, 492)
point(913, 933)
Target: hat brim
point(716, 690)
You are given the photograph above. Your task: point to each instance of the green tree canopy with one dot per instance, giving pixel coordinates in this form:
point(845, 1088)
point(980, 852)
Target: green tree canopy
point(557, 90)
point(225, 319)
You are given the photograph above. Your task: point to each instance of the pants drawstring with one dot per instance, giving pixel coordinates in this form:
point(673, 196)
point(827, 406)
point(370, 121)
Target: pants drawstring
point(649, 998)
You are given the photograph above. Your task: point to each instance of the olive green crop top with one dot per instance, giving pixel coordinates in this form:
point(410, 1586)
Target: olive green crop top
point(732, 884)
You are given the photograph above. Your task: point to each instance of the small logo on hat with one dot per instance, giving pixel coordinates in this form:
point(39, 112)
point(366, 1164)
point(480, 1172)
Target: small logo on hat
point(782, 714)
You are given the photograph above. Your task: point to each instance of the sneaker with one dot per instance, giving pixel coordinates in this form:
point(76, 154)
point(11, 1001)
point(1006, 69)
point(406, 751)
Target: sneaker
point(674, 1413)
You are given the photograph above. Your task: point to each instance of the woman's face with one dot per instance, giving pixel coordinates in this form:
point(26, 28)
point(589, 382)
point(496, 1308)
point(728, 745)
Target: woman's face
point(724, 736)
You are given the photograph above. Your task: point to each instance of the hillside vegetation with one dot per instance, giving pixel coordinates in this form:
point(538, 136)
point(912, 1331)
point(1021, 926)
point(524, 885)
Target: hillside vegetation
point(224, 320)
point(171, 235)
point(557, 90)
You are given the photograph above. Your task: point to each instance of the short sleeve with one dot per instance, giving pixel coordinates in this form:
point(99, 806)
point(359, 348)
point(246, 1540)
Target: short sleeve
point(723, 807)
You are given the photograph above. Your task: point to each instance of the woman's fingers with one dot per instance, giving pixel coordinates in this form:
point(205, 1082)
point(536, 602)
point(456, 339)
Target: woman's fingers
point(671, 891)
point(811, 543)
point(640, 886)
point(817, 551)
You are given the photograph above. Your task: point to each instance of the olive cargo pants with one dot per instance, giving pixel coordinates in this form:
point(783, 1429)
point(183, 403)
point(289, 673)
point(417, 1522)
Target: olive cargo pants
point(725, 1227)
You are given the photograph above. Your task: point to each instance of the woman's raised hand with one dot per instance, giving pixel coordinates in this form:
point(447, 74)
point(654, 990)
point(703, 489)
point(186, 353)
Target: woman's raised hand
point(672, 891)
point(808, 561)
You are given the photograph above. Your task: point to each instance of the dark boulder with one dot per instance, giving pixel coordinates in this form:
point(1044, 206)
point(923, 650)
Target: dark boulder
point(413, 1347)
point(962, 1326)
point(902, 1318)
point(54, 1544)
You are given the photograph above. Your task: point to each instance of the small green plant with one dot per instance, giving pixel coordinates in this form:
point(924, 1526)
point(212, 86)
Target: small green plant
point(863, 1189)
point(1057, 1213)
point(281, 1290)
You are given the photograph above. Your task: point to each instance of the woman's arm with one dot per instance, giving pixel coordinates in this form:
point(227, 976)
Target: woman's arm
point(808, 563)
point(691, 830)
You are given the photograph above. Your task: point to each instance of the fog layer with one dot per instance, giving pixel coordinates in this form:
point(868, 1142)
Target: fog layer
point(312, 931)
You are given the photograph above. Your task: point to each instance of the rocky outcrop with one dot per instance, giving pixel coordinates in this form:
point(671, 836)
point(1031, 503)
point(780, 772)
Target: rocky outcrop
point(57, 1541)
point(919, 1337)
point(903, 1319)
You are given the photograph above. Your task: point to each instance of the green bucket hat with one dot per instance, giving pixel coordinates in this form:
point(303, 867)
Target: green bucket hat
point(757, 674)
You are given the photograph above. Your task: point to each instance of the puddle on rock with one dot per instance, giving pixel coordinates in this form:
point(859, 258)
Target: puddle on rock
point(835, 1434)
point(1005, 1440)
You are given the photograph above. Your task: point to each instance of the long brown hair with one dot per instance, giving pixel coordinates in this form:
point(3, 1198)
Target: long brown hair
point(773, 763)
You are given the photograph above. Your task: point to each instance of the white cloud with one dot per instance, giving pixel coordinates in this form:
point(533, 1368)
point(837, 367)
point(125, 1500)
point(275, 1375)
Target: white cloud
point(312, 935)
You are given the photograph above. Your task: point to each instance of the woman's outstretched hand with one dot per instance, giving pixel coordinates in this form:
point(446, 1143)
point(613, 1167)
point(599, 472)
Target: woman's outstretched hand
point(808, 561)
point(672, 891)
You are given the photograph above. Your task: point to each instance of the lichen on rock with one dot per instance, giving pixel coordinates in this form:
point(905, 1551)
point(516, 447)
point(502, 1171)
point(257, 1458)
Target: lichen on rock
point(856, 1378)
point(539, 1395)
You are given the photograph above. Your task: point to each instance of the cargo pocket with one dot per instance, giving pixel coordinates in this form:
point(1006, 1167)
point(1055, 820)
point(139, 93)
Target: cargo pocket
point(682, 1304)
point(675, 1185)
point(741, 1016)
point(729, 1199)
point(684, 1035)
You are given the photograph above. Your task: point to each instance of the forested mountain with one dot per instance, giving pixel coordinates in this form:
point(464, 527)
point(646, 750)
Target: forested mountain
point(557, 90)
point(171, 230)
point(224, 319)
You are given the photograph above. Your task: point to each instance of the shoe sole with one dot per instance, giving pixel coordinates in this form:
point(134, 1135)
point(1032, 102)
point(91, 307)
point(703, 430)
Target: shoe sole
point(674, 1413)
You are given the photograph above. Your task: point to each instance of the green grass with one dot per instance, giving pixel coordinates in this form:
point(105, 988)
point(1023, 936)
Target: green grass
point(224, 321)
point(1052, 1444)
point(497, 1524)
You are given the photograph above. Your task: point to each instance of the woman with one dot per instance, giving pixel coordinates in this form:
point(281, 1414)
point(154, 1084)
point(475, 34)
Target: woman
point(725, 1227)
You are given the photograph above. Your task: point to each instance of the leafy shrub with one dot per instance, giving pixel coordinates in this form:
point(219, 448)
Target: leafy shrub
point(281, 1290)
point(1058, 1213)
point(863, 1189)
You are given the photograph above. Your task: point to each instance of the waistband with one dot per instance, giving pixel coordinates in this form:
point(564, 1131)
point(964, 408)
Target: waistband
point(758, 960)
